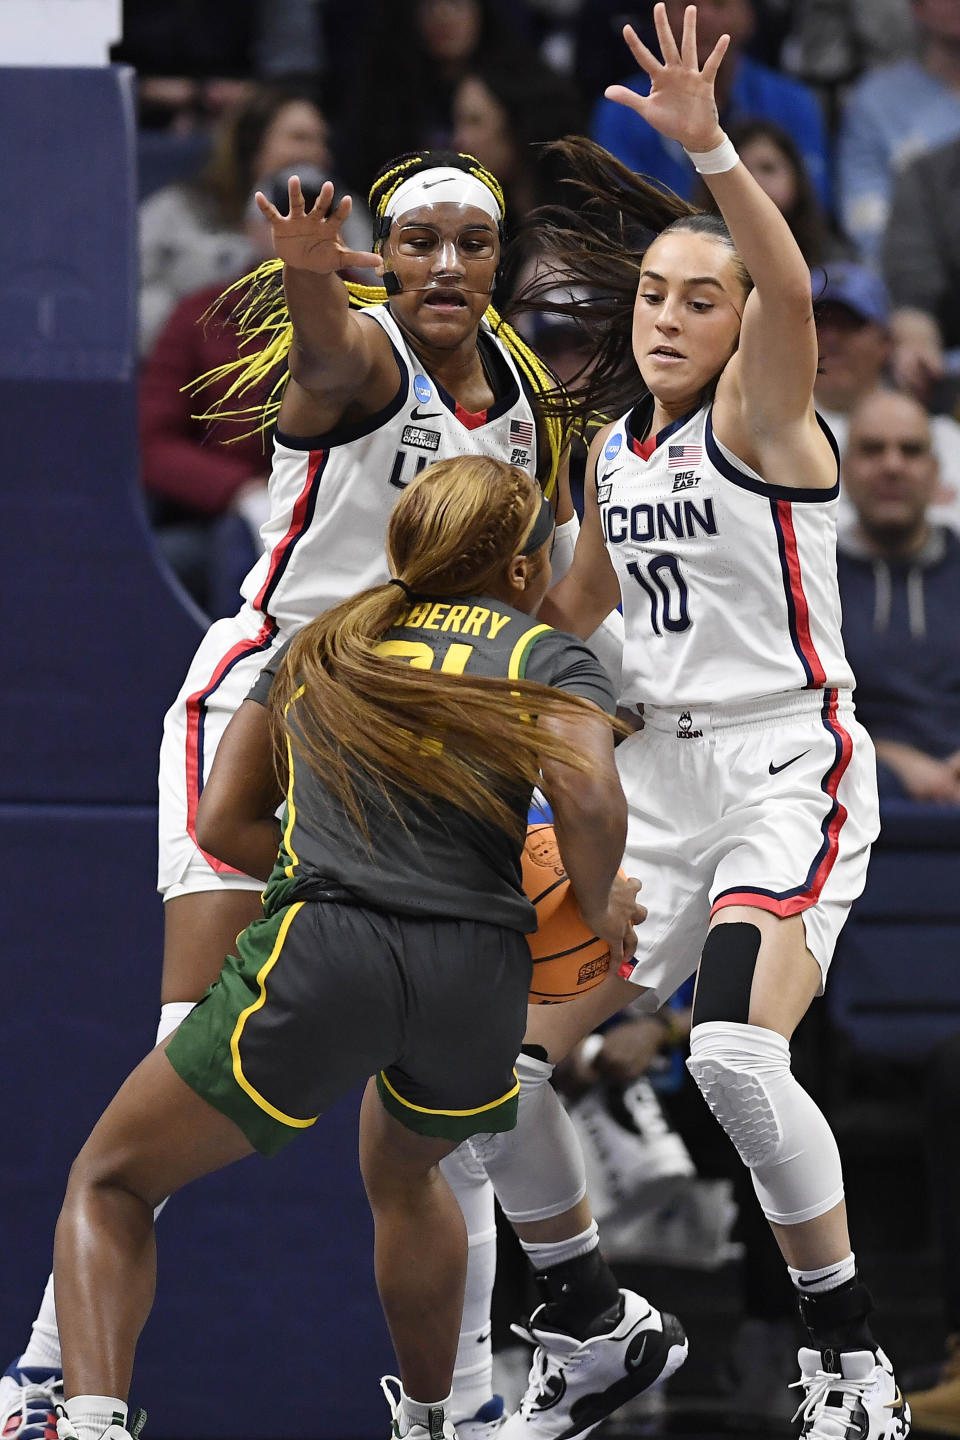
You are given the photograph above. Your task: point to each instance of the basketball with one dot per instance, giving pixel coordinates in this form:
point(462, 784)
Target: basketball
point(567, 959)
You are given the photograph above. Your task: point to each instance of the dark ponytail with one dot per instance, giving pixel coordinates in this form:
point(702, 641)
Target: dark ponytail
point(590, 264)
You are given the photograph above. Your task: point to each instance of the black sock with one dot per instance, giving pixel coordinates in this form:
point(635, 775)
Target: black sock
point(581, 1296)
point(837, 1319)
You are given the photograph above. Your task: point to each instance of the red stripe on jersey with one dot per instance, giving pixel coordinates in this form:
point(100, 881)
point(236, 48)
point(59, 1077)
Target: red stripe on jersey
point(804, 638)
point(793, 904)
point(195, 708)
point(281, 551)
point(472, 419)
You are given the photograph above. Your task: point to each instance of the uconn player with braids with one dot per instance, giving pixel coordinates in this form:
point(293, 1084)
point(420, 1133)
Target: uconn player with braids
point(370, 385)
point(711, 516)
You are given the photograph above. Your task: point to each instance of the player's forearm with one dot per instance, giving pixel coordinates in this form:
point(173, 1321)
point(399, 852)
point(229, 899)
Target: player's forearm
point(250, 846)
point(590, 821)
point(763, 240)
point(323, 328)
point(572, 607)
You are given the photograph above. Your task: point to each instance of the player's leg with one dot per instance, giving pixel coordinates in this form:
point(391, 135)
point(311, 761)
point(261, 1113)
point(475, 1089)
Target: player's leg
point(475, 1409)
point(420, 1252)
point(781, 893)
point(538, 1170)
point(154, 1137)
point(199, 930)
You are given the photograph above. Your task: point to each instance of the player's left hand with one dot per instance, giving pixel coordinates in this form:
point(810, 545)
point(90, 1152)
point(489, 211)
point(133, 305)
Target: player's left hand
point(681, 104)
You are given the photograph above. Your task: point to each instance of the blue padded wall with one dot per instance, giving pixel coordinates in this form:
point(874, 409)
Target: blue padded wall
point(266, 1322)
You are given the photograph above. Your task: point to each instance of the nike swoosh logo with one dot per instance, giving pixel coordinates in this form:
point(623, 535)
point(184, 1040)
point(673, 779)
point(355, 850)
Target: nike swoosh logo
point(805, 1283)
point(897, 1403)
point(637, 1360)
point(607, 473)
point(775, 770)
point(416, 414)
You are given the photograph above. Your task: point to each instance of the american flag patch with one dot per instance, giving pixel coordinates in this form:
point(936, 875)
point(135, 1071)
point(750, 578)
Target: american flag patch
point(679, 456)
point(521, 432)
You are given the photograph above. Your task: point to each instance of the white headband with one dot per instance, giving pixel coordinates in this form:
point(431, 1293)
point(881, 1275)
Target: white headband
point(443, 183)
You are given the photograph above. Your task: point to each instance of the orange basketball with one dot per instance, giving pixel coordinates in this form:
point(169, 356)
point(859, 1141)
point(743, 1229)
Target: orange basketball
point(567, 959)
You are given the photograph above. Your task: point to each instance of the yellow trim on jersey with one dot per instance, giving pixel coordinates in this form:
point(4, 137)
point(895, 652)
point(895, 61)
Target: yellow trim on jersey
point(515, 668)
point(291, 807)
point(258, 1004)
point(425, 1109)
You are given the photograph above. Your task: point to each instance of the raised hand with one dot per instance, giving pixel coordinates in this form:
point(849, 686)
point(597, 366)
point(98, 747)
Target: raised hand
point(310, 239)
point(681, 104)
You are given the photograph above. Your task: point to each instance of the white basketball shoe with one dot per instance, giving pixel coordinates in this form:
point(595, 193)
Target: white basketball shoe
point(575, 1384)
point(850, 1395)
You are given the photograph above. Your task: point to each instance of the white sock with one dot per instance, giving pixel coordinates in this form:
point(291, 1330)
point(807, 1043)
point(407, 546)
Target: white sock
point(543, 1255)
point(473, 1368)
point(417, 1412)
point(90, 1415)
point(829, 1277)
point(43, 1347)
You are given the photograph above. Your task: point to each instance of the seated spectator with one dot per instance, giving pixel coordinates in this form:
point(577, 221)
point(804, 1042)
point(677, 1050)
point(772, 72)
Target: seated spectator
point(892, 114)
point(921, 263)
point(852, 312)
point(745, 90)
point(899, 577)
point(772, 157)
point(192, 234)
point(500, 114)
point(191, 474)
point(400, 93)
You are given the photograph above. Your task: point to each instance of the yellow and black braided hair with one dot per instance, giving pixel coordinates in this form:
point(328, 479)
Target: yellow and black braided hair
point(257, 310)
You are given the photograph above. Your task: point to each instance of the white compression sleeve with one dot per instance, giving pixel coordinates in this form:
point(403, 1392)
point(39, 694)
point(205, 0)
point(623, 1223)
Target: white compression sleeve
point(473, 1367)
point(537, 1168)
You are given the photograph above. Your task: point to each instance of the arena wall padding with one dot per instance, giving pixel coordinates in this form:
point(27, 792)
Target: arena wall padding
point(267, 1322)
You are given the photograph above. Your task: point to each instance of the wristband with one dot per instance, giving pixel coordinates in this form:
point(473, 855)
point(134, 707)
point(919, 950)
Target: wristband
point(590, 1048)
point(714, 162)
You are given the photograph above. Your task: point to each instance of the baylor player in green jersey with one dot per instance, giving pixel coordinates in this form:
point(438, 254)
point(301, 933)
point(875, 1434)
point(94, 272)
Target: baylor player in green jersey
point(407, 727)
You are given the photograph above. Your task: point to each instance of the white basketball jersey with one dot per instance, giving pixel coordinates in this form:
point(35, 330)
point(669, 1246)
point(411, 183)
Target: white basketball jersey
point(331, 496)
point(729, 584)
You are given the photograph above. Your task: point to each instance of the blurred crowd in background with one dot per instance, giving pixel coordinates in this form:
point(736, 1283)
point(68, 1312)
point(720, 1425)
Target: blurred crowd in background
point(848, 113)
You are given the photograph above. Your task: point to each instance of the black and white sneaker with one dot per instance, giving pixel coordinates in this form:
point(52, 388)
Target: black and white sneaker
point(575, 1384)
point(850, 1395)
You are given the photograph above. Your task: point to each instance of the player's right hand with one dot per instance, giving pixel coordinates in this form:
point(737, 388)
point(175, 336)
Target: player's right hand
point(310, 239)
point(615, 924)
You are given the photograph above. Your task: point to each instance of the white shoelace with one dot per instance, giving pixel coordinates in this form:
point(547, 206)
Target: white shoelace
point(818, 1387)
point(31, 1397)
point(544, 1366)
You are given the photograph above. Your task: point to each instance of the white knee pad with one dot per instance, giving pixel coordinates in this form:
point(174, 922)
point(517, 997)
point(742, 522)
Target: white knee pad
point(537, 1168)
point(743, 1072)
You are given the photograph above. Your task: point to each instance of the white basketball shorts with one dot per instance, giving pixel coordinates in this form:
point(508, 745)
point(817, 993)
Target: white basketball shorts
point(771, 804)
point(230, 657)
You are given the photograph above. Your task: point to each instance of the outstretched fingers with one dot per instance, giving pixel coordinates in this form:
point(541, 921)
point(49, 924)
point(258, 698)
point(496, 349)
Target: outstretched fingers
point(688, 40)
point(266, 207)
point(668, 45)
point(712, 63)
point(623, 95)
point(645, 58)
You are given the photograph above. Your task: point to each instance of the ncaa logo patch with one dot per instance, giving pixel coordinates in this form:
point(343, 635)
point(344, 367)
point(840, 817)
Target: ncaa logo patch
point(422, 388)
point(612, 448)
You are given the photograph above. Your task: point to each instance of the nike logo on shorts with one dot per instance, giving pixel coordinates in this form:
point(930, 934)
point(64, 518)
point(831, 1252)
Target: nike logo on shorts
point(775, 769)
